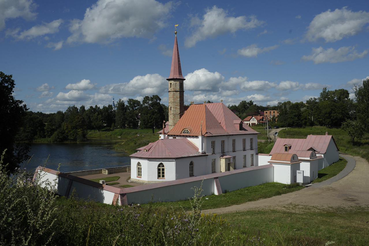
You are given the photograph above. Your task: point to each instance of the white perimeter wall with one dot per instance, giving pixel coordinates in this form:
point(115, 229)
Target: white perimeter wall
point(264, 159)
point(285, 173)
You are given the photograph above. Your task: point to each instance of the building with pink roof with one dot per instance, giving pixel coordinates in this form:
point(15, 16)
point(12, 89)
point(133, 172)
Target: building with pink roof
point(206, 138)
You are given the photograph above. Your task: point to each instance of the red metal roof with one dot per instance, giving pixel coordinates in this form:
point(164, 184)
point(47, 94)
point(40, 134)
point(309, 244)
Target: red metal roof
point(215, 119)
point(167, 148)
point(318, 142)
point(176, 69)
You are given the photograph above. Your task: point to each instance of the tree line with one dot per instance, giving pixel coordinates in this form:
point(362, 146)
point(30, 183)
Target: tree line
point(73, 123)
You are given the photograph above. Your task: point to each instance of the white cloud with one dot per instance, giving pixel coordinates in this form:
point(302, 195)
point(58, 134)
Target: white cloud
point(314, 86)
point(306, 98)
point(262, 33)
point(233, 83)
point(84, 84)
point(356, 82)
point(258, 98)
point(46, 94)
point(257, 85)
point(319, 55)
point(288, 85)
point(298, 17)
point(289, 41)
point(108, 20)
point(36, 31)
point(45, 87)
point(55, 46)
point(200, 98)
point(216, 22)
point(253, 50)
point(150, 84)
point(10, 9)
point(72, 95)
point(273, 103)
point(203, 80)
point(336, 25)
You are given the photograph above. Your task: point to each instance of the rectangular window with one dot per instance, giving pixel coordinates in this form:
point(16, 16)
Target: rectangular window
point(234, 145)
point(213, 170)
point(244, 161)
point(213, 147)
point(252, 160)
point(222, 146)
point(244, 144)
point(251, 143)
point(234, 162)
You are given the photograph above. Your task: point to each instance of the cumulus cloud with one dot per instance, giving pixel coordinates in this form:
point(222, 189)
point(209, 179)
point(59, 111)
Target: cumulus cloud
point(84, 84)
point(253, 50)
point(356, 82)
point(36, 31)
point(200, 98)
point(216, 22)
point(150, 84)
point(108, 20)
point(320, 55)
point(262, 33)
point(72, 95)
point(10, 9)
point(306, 98)
point(257, 85)
point(288, 85)
point(55, 46)
point(336, 25)
point(203, 80)
point(233, 83)
point(46, 94)
point(258, 98)
point(314, 86)
point(298, 17)
point(45, 87)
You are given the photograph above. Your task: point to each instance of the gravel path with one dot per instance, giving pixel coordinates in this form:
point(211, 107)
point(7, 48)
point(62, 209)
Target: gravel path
point(348, 188)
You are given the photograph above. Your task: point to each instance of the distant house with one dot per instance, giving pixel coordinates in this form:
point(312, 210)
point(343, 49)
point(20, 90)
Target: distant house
point(322, 145)
point(271, 114)
point(254, 120)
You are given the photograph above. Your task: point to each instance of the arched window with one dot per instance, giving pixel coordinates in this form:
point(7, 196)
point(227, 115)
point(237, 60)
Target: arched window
point(161, 171)
point(139, 170)
point(191, 169)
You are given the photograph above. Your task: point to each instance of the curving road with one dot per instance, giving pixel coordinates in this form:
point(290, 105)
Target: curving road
point(348, 188)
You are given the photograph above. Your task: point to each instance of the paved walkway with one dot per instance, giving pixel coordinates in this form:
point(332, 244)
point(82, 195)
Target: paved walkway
point(349, 188)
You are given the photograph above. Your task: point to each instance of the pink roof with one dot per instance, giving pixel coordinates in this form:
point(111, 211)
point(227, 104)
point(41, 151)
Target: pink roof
point(213, 119)
point(176, 69)
point(248, 118)
point(167, 148)
point(318, 142)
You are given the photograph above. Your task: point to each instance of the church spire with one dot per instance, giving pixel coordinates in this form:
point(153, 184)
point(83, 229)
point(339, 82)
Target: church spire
point(175, 70)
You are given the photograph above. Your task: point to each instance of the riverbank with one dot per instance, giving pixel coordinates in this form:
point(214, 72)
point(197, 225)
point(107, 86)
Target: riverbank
point(123, 140)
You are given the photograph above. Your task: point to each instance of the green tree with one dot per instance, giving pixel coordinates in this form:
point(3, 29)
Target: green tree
point(133, 113)
point(362, 108)
point(12, 113)
point(354, 129)
point(152, 113)
point(120, 114)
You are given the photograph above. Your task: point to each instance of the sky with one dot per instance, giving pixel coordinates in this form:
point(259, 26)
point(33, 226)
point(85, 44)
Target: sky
point(87, 52)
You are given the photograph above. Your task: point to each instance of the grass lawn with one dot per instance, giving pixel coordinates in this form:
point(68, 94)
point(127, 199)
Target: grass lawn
point(331, 171)
point(240, 196)
point(304, 226)
point(107, 179)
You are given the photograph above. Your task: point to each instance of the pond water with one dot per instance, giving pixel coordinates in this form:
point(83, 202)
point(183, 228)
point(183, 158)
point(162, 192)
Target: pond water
point(74, 157)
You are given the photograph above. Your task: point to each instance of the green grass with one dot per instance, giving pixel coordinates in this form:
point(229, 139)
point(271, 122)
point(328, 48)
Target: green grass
point(127, 140)
point(240, 196)
point(126, 186)
point(331, 171)
point(107, 179)
point(301, 225)
point(261, 129)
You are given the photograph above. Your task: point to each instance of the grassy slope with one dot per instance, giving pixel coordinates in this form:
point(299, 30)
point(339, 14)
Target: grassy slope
point(331, 171)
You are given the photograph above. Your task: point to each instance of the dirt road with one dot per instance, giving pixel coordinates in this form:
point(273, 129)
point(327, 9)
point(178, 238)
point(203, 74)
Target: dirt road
point(351, 190)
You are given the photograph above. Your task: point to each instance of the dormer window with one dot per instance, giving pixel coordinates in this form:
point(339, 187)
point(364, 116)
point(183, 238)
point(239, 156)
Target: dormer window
point(287, 147)
point(185, 131)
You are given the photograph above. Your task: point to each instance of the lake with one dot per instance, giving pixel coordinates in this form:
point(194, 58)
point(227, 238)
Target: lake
point(74, 157)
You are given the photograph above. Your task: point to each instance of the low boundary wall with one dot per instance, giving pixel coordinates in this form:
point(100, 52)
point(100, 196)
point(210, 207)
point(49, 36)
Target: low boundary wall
point(110, 170)
point(67, 183)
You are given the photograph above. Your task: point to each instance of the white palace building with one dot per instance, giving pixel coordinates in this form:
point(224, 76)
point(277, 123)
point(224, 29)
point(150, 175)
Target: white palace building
point(206, 138)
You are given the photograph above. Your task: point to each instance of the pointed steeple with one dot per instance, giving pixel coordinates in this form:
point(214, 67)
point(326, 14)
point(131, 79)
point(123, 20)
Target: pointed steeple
point(176, 69)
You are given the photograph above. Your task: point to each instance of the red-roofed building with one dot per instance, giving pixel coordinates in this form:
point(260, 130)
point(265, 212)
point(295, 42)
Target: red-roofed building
point(204, 139)
point(254, 120)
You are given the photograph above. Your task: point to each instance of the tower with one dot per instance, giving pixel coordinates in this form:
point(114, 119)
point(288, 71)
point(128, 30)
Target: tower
point(175, 85)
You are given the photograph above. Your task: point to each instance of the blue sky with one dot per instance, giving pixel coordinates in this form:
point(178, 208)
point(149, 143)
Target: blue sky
point(87, 52)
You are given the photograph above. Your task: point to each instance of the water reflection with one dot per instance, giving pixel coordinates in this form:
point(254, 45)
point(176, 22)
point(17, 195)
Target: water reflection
point(73, 157)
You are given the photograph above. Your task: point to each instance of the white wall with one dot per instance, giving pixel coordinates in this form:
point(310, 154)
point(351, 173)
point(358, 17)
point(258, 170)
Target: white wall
point(332, 154)
point(285, 173)
point(150, 169)
point(263, 159)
